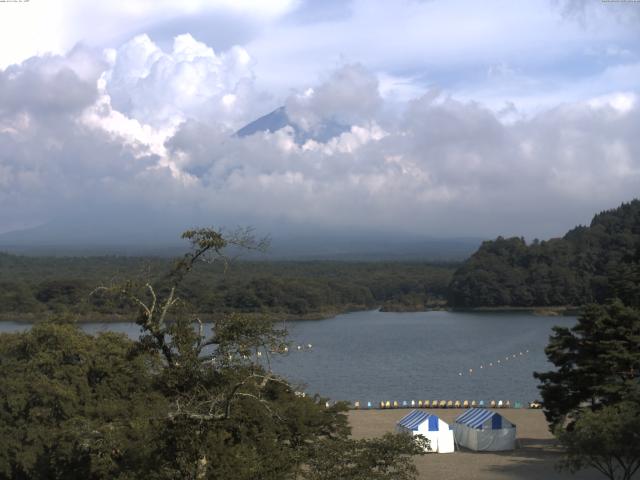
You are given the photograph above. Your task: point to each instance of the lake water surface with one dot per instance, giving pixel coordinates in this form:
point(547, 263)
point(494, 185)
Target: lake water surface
point(373, 356)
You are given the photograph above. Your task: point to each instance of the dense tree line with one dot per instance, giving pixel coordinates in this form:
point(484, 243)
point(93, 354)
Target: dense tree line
point(59, 285)
point(589, 264)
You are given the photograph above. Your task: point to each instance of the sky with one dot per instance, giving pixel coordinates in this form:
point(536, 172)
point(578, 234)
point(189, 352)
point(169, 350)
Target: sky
point(459, 118)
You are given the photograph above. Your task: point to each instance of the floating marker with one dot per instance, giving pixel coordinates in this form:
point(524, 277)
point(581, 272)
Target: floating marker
point(259, 354)
point(481, 366)
point(491, 364)
point(460, 373)
point(309, 345)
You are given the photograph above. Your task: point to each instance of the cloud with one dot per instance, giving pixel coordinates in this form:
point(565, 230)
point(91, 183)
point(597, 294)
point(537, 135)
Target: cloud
point(447, 167)
point(51, 85)
point(142, 137)
point(62, 24)
point(349, 96)
point(164, 89)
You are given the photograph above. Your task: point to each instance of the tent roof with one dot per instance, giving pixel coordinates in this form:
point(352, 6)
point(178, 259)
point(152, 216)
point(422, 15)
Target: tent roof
point(476, 417)
point(416, 417)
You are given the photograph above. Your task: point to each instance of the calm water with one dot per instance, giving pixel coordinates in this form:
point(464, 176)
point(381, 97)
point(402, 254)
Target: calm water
point(373, 356)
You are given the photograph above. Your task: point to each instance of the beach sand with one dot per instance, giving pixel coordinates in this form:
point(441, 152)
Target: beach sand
point(534, 459)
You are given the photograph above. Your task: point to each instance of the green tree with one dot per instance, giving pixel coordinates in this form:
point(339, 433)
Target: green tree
point(597, 360)
point(74, 406)
point(388, 457)
point(607, 440)
point(592, 399)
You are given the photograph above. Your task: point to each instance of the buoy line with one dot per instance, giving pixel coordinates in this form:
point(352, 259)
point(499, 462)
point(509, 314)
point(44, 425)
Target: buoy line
point(498, 362)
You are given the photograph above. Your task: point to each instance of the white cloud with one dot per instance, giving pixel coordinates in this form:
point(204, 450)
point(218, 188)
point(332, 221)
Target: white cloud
point(192, 81)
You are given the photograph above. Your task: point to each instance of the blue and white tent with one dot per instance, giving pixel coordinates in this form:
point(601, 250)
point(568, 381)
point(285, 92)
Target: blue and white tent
point(484, 430)
point(438, 432)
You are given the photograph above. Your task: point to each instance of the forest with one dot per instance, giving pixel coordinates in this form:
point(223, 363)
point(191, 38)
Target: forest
point(52, 286)
point(589, 264)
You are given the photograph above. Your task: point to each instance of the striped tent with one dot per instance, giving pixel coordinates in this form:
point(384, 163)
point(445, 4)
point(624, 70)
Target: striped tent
point(484, 430)
point(438, 432)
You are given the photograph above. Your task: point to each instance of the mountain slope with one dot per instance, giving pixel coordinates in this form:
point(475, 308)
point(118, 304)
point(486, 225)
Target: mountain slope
point(588, 264)
point(278, 119)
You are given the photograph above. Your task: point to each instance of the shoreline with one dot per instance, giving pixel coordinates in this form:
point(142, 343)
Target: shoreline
point(30, 318)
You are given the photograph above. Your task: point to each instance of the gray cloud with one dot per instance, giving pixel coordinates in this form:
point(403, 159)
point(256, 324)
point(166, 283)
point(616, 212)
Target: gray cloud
point(52, 84)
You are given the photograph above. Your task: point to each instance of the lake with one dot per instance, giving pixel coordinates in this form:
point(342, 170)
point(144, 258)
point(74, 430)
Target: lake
point(374, 356)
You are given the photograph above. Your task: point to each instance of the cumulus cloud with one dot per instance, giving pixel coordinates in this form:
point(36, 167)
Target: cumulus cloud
point(144, 136)
point(162, 89)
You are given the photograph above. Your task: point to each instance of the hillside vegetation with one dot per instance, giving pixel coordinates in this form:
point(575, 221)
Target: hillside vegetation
point(589, 264)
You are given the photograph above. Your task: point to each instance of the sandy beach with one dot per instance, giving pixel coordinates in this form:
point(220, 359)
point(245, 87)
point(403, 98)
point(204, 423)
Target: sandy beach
point(535, 458)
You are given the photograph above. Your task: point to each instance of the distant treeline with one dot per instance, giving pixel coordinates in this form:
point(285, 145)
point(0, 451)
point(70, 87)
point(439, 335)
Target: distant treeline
point(589, 264)
point(64, 285)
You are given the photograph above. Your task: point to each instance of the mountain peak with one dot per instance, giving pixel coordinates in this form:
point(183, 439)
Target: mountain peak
point(278, 119)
